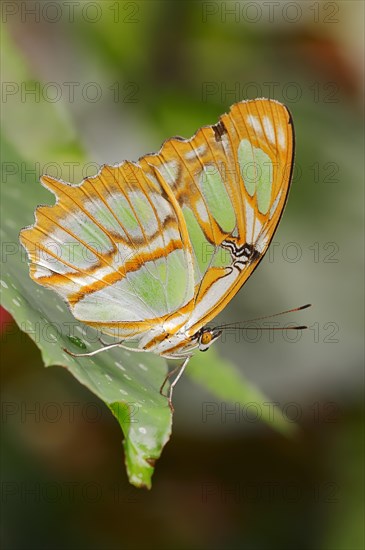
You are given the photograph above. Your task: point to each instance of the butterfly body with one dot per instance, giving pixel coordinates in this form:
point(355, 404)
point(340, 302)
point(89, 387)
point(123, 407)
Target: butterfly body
point(152, 251)
point(179, 344)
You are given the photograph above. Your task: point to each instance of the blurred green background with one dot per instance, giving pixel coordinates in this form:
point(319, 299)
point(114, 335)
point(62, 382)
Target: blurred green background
point(125, 76)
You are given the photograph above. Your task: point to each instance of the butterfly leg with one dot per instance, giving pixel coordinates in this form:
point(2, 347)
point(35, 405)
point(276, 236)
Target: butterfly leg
point(179, 369)
point(91, 353)
point(106, 344)
point(169, 374)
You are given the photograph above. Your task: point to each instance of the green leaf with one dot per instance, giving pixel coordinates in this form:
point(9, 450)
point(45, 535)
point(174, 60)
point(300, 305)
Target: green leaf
point(222, 378)
point(128, 383)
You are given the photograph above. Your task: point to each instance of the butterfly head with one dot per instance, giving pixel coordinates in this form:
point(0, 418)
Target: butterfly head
point(207, 336)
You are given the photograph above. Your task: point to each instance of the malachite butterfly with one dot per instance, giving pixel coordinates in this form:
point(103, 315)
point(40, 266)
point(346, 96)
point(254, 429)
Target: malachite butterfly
point(152, 251)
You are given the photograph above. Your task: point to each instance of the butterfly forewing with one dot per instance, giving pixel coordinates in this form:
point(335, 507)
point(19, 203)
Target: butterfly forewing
point(231, 181)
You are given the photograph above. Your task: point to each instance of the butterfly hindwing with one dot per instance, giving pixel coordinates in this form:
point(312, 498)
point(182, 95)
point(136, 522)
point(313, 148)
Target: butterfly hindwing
point(114, 248)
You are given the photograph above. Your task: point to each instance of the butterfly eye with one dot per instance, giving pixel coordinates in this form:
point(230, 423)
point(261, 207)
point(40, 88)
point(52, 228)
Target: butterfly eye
point(206, 338)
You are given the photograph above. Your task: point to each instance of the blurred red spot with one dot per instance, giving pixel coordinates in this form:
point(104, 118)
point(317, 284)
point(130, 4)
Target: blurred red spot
point(5, 318)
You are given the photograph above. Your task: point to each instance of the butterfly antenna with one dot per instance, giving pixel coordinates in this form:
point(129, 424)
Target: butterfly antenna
point(300, 308)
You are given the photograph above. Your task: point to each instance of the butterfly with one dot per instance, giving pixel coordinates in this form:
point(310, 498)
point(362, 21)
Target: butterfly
point(151, 251)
